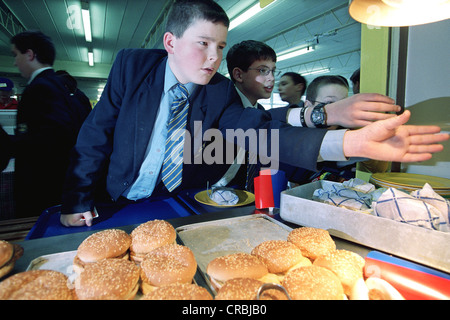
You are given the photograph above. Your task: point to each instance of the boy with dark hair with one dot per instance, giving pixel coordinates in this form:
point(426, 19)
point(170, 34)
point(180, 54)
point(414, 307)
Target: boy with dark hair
point(153, 95)
point(256, 61)
point(48, 121)
point(251, 65)
point(291, 88)
point(40, 44)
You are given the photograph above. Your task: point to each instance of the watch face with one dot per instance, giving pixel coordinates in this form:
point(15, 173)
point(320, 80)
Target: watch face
point(317, 117)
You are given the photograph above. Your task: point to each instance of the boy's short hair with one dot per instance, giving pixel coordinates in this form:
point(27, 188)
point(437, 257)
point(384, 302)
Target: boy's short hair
point(243, 54)
point(185, 12)
point(297, 79)
point(355, 76)
point(40, 43)
point(317, 83)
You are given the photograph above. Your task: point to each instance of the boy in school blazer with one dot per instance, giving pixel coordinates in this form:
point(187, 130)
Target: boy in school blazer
point(114, 140)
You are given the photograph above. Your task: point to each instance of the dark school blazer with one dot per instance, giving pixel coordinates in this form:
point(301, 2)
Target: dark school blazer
point(113, 140)
point(48, 122)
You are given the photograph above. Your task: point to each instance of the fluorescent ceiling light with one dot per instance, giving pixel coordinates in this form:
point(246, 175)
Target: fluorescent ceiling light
point(323, 70)
point(91, 58)
point(291, 54)
point(87, 24)
point(255, 9)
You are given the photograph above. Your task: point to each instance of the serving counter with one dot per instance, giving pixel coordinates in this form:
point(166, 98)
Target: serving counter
point(68, 242)
point(63, 243)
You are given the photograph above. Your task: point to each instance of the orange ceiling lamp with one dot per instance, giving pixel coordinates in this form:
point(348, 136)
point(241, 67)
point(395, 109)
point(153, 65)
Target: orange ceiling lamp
point(399, 13)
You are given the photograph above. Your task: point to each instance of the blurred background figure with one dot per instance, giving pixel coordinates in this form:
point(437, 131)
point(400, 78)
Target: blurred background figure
point(291, 87)
point(355, 81)
point(48, 121)
point(6, 93)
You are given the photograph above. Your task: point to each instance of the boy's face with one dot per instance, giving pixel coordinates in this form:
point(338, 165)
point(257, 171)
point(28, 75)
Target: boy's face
point(196, 56)
point(253, 83)
point(22, 61)
point(330, 93)
point(289, 91)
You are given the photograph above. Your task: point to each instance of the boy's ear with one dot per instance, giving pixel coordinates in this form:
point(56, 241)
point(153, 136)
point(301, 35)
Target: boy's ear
point(30, 54)
point(237, 74)
point(168, 40)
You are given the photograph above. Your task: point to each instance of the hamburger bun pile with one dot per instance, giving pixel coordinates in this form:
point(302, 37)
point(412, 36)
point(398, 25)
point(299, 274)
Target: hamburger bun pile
point(168, 264)
point(150, 235)
point(280, 256)
point(110, 243)
point(114, 265)
point(307, 265)
point(235, 265)
point(108, 279)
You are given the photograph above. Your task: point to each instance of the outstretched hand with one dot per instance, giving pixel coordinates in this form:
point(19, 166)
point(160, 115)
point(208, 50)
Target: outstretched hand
point(392, 140)
point(360, 110)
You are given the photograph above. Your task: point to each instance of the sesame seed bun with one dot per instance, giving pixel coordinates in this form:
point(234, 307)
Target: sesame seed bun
point(239, 289)
point(150, 235)
point(6, 254)
point(347, 265)
point(108, 279)
point(36, 285)
point(280, 256)
point(9, 253)
point(313, 283)
point(105, 244)
point(168, 264)
point(180, 291)
point(313, 242)
point(235, 265)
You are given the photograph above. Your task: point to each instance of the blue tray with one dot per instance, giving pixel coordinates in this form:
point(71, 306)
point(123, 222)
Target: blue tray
point(160, 208)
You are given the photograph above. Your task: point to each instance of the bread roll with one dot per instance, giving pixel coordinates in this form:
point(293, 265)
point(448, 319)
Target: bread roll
point(313, 283)
point(312, 242)
point(347, 265)
point(150, 235)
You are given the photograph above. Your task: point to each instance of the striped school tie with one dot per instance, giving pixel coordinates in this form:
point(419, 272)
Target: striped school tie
point(252, 171)
point(173, 156)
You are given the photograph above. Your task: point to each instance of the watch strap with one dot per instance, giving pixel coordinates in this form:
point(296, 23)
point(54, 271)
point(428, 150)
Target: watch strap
point(302, 117)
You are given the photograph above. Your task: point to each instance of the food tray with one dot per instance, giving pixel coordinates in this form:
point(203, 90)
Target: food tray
point(212, 239)
point(63, 262)
point(418, 244)
point(207, 240)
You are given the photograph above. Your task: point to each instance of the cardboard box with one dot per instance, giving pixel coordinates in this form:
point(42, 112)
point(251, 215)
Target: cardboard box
point(429, 247)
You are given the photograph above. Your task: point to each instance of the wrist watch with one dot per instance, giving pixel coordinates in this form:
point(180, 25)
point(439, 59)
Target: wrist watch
point(319, 116)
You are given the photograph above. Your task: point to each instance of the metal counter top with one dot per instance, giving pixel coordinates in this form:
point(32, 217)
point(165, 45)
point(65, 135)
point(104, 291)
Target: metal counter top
point(68, 242)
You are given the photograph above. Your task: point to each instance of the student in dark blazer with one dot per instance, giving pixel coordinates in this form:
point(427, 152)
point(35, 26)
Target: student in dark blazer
point(121, 143)
point(48, 121)
point(5, 149)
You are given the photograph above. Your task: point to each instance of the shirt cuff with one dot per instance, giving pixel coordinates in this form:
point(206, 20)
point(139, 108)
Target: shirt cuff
point(294, 117)
point(332, 148)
